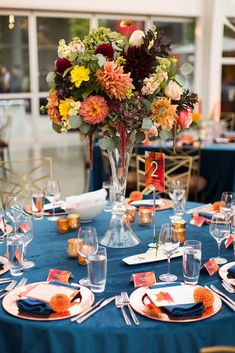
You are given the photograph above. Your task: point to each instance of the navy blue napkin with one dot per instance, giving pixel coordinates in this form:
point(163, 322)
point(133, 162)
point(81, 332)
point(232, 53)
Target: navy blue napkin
point(206, 215)
point(231, 272)
point(184, 309)
point(162, 285)
point(1, 266)
point(57, 210)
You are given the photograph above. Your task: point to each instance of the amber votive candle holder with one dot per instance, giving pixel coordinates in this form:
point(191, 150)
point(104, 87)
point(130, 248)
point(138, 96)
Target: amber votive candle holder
point(62, 225)
point(179, 228)
point(145, 217)
point(131, 213)
point(74, 221)
point(72, 248)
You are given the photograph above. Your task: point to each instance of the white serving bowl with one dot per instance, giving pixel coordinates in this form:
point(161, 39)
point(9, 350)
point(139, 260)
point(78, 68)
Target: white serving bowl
point(88, 211)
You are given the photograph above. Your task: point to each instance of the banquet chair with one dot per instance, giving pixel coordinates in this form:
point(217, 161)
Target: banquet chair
point(19, 177)
point(218, 349)
point(176, 167)
point(229, 119)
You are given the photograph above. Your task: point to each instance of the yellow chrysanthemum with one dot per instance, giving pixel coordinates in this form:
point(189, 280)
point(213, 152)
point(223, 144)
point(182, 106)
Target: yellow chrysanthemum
point(163, 113)
point(68, 107)
point(79, 74)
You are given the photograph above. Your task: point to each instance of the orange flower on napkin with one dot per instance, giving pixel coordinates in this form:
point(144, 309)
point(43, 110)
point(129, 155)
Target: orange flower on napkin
point(60, 303)
point(205, 296)
point(217, 205)
point(135, 196)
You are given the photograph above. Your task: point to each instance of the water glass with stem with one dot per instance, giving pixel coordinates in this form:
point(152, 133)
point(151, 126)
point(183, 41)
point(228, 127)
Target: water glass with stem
point(219, 231)
point(227, 205)
point(25, 229)
point(52, 193)
point(168, 242)
point(87, 244)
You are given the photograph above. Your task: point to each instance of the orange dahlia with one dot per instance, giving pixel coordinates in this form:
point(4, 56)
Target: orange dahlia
point(60, 303)
point(53, 108)
point(113, 81)
point(205, 296)
point(94, 110)
point(163, 113)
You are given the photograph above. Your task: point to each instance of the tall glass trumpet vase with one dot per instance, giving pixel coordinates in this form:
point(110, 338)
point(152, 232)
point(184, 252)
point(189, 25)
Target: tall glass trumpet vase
point(119, 233)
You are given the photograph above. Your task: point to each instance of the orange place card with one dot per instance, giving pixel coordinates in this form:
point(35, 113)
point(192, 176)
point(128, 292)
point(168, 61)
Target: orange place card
point(197, 220)
point(154, 171)
point(229, 240)
point(143, 279)
point(211, 266)
point(59, 275)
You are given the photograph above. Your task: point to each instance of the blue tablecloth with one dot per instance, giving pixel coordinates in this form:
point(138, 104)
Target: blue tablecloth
point(106, 331)
point(217, 167)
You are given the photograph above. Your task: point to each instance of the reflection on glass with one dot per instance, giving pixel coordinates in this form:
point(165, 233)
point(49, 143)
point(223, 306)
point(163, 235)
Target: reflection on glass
point(49, 32)
point(229, 40)
point(14, 55)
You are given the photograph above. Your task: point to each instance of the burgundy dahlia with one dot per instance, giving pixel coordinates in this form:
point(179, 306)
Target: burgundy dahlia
point(62, 64)
point(106, 50)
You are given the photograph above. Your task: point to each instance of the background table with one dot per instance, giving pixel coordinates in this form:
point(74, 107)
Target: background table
point(106, 331)
point(217, 167)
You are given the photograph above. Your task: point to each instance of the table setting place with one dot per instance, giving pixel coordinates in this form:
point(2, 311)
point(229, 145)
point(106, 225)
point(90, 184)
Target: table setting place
point(167, 297)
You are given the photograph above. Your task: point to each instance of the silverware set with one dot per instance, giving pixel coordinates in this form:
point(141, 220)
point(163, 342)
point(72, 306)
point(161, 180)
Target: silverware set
point(228, 301)
point(13, 285)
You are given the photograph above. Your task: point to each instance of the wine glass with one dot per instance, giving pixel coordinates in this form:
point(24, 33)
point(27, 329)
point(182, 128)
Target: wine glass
point(168, 242)
point(52, 193)
point(219, 230)
point(14, 210)
point(227, 205)
point(25, 229)
point(87, 244)
point(177, 194)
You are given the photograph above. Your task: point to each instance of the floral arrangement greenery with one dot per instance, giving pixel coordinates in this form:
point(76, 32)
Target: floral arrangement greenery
point(121, 87)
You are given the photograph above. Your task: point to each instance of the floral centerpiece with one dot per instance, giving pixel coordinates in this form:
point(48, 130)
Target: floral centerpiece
point(122, 88)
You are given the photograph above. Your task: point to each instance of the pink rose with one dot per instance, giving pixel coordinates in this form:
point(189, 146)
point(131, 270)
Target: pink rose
point(185, 119)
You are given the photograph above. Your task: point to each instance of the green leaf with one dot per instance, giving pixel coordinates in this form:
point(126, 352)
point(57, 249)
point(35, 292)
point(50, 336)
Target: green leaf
point(75, 121)
point(85, 128)
point(72, 56)
point(147, 123)
point(186, 69)
point(110, 144)
point(140, 136)
point(133, 136)
point(148, 104)
point(101, 60)
point(172, 70)
point(166, 134)
point(50, 78)
point(103, 143)
point(56, 127)
point(66, 71)
point(180, 79)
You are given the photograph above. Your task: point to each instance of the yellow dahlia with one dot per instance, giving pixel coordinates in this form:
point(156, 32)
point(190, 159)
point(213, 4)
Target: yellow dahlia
point(163, 113)
point(113, 81)
point(94, 110)
point(79, 74)
point(52, 108)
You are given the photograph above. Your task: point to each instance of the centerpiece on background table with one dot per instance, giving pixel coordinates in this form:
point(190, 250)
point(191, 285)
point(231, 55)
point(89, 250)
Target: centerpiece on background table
point(122, 90)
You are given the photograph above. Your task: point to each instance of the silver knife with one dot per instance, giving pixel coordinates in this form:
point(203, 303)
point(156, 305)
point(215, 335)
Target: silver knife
point(75, 318)
point(197, 208)
point(216, 290)
point(103, 304)
point(224, 300)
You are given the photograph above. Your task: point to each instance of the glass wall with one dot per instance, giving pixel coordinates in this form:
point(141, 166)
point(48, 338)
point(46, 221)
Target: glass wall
point(14, 55)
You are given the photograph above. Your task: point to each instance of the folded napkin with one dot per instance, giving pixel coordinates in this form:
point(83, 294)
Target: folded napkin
point(1, 266)
point(1, 232)
point(206, 215)
point(231, 272)
point(57, 210)
point(184, 309)
point(93, 197)
point(163, 285)
point(39, 306)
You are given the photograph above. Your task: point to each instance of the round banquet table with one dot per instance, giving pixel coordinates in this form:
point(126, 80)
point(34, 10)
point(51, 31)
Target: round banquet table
point(106, 331)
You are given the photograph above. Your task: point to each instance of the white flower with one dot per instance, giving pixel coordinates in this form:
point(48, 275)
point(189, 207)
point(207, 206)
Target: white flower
point(136, 39)
point(173, 90)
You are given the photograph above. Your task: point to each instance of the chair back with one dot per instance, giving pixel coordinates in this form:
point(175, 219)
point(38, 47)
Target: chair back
point(229, 118)
point(176, 167)
point(17, 177)
point(218, 349)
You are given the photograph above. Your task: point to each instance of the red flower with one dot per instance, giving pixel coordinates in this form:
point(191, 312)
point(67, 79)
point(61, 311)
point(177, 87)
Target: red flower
point(62, 64)
point(185, 119)
point(106, 50)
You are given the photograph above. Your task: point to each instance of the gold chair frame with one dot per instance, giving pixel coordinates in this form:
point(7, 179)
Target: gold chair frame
point(218, 349)
point(31, 176)
point(173, 170)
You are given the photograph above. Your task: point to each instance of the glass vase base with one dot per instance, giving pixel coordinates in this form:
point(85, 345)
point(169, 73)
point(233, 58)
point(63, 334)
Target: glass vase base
point(220, 260)
point(119, 238)
point(167, 277)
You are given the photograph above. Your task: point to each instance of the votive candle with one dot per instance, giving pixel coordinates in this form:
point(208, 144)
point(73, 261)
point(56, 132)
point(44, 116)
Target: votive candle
point(145, 217)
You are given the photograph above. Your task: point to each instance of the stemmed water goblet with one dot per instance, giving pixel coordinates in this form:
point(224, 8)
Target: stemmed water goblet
point(219, 231)
point(87, 244)
point(25, 230)
point(177, 194)
point(52, 193)
point(168, 242)
point(14, 210)
point(227, 207)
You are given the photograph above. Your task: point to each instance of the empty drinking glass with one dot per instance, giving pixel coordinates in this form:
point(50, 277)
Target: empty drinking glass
point(25, 229)
point(168, 243)
point(52, 193)
point(87, 245)
point(220, 231)
point(192, 255)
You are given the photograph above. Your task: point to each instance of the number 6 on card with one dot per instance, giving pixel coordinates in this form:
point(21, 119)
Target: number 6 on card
point(154, 171)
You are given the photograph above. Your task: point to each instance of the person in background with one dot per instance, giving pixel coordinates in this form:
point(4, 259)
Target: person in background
point(4, 79)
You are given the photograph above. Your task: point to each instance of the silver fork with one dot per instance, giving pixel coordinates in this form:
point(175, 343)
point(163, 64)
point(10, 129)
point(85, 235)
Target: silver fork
point(8, 288)
point(13, 285)
point(229, 288)
point(119, 305)
point(126, 301)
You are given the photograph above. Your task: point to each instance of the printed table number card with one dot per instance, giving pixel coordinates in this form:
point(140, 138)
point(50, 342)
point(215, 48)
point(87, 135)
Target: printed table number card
point(154, 171)
point(59, 275)
point(211, 266)
point(144, 279)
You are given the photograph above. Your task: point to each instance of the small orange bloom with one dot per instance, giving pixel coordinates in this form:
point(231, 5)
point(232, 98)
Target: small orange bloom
point(135, 196)
point(60, 303)
point(217, 205)
point(205, 296)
